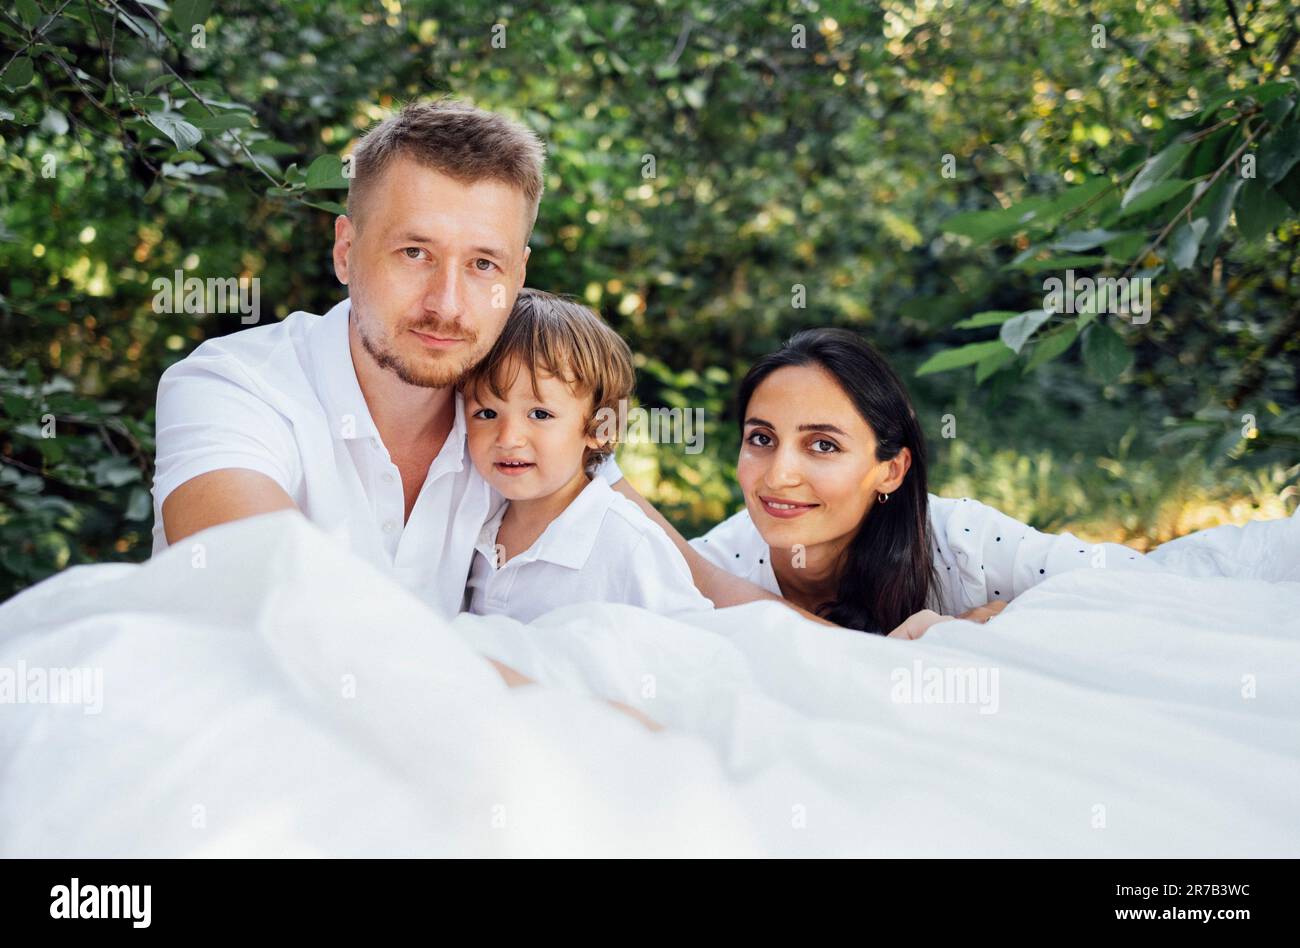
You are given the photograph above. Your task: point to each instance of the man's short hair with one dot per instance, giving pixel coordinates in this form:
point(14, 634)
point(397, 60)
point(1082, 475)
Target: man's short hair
point(455, 139)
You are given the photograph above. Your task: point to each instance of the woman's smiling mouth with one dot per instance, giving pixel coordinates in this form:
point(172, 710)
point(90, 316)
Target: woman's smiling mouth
point(784, 509)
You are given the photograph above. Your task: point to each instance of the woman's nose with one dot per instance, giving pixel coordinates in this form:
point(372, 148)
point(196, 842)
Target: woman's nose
point(785, 470)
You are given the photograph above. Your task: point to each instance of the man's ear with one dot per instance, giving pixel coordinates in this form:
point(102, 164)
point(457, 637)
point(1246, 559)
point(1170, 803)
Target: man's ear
point(898, 466)
point(344, 234)
point(523, 267)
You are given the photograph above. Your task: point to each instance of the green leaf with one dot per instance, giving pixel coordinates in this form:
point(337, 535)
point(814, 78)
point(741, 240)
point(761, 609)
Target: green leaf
point(1061, 263)
point(19, 73)
point(1217, 205)
point(1051, 346)
point(183, 135)
point(992, 317)
point(1104, 353)
point(1289, 188)
point(1015, 332)
point(1155, 195)
point(992, 362)
point(1158, 167)
point(186, 14)
point(1259, 210)
point(1185, 242)
point(1085, 239)
point(331, 206)
point(219, 123)
point(1124, 249)
point(1279, 152)
point(28, 12)
point(326, 172)
point(956, 358)
point(989, 225)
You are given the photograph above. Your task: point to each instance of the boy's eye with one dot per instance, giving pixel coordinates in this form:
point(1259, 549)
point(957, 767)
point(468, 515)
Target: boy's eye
point(831, 446)
point(755, 437)
point(487, 414)
point(540, 414)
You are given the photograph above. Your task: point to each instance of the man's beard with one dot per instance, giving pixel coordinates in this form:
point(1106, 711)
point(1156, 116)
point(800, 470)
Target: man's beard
point(446, 370)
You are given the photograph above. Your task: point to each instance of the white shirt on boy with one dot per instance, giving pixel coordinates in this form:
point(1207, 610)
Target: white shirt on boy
point(601, 548)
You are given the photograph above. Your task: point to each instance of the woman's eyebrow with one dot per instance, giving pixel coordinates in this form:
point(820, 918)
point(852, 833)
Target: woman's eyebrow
point(824, 427)
point(759, 422)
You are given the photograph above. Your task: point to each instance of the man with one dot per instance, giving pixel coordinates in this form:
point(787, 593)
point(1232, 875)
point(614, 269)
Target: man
point(352, 417)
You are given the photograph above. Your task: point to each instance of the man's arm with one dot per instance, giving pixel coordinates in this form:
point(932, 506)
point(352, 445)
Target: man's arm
point(716, 583)
point(220, 497)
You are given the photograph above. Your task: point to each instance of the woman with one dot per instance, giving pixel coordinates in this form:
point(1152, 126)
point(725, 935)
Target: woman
point(837, 517)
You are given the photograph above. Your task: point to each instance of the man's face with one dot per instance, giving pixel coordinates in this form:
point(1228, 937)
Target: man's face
point(432, 270)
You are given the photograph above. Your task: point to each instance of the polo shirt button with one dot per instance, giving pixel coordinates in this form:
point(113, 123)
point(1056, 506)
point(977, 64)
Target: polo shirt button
point(388, 477)
point(389, 526)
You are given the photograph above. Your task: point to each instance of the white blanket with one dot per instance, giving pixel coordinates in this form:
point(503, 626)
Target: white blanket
point(268, 694)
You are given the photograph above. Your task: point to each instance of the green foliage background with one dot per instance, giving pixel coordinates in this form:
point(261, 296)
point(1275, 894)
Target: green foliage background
point(899, 168)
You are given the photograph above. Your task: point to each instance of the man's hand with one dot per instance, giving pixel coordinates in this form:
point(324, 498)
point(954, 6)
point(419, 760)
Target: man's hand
point(220, 497)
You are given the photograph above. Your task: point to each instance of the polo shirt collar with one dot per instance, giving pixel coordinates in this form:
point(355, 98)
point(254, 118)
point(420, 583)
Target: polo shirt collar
point(570, 537)
point(340, 392)
point(336, 377)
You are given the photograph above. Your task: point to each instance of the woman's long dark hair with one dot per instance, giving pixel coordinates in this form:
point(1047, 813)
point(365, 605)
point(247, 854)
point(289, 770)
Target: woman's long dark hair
point(887, 569)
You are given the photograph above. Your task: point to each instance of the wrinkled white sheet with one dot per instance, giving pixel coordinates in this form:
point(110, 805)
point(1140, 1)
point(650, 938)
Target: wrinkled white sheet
point(286, 699)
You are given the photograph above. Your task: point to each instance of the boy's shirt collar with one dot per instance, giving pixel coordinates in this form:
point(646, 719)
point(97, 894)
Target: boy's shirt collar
point(568, 539)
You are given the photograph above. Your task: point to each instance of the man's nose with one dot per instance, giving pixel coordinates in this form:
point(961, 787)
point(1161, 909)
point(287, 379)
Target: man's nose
point(445, 293)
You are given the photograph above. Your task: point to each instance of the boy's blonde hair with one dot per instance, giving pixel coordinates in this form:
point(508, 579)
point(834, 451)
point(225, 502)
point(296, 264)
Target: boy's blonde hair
point(552, 335)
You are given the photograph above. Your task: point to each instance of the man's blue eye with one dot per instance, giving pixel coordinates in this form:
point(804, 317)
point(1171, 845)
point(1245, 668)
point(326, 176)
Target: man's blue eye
point(482, 260)
point(412, 253)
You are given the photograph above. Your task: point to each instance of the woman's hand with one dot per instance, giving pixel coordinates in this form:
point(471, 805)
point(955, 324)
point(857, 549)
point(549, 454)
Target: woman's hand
point(917, 624)
point(985, 612)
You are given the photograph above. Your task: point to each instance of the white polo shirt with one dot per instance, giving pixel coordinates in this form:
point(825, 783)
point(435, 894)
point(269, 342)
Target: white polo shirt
point(601, 548)
point(980, 554)
point(283, 400)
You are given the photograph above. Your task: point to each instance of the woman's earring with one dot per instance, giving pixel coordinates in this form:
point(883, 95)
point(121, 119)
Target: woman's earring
point(884, 497)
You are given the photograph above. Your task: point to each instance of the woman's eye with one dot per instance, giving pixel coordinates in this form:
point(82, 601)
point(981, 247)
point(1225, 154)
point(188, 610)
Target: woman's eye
point(479, 264)
point(830, 446)
point(539, 414)
point(755, 437)
point(487, 414)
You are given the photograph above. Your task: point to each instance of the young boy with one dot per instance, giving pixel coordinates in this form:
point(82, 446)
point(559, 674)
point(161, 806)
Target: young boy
point(532, 411)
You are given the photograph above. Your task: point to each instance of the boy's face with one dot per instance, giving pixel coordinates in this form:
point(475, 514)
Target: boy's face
point(528, 446)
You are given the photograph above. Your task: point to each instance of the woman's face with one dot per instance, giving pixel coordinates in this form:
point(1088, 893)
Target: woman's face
point(808, 460)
